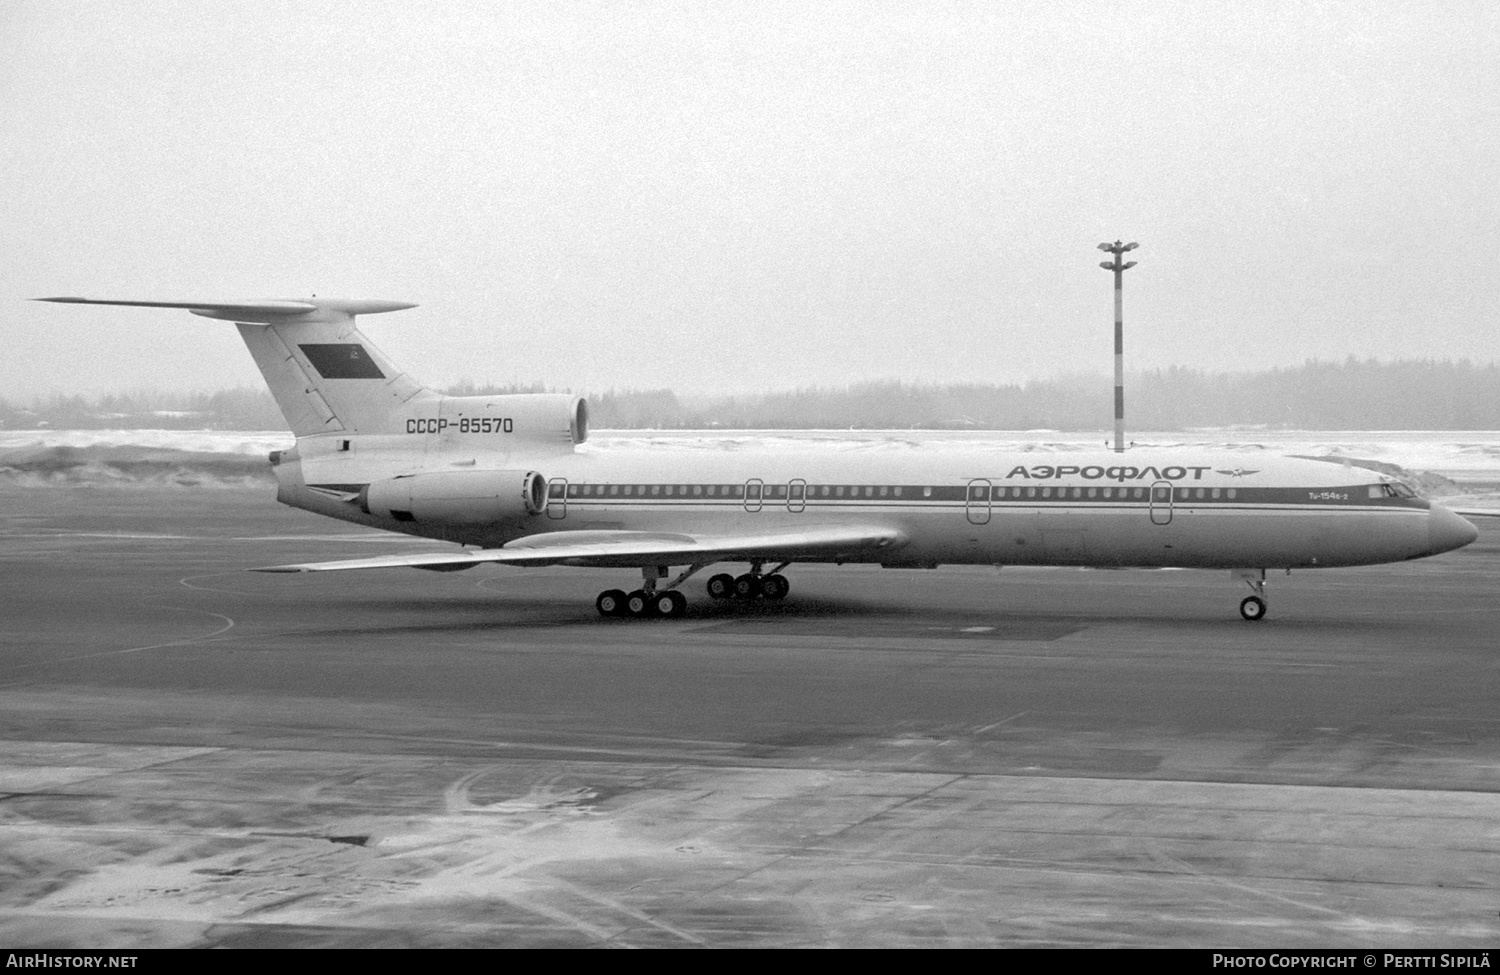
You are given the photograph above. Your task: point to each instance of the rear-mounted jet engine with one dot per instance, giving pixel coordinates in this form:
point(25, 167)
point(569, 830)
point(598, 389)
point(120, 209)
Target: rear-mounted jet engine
point(457, 497)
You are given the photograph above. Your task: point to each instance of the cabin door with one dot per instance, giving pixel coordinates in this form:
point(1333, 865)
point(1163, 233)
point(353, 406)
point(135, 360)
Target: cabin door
point(557, 498)
point(977, 502)
point(753, 489)
point(1161, 503)
point(796, 494)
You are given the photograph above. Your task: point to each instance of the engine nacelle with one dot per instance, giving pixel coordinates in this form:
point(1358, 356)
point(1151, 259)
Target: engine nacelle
point(457, 497)
point(540, 418)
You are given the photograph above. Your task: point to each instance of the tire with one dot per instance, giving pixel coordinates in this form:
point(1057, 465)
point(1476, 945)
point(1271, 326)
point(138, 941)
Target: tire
point(638, 605)
point(611, 602)
point(1253, 608)
point(721, 586)
point(666, 604)
point(775, 586)
point(747, 586)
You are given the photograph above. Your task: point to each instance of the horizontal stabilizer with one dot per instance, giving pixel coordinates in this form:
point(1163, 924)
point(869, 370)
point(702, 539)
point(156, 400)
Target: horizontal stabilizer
point(628, 549)
point(276, 311)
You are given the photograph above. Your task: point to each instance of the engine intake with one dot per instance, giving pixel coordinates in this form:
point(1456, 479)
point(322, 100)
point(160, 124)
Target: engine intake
point(457, 497)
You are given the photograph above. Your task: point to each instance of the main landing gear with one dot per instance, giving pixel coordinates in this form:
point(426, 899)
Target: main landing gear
point(752, 585)
point(1253, 608)
point(666, 601)
point(640, 604)
point(648, 600)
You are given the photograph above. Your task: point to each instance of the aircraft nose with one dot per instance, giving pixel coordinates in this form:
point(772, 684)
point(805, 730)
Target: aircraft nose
point(1447, 531)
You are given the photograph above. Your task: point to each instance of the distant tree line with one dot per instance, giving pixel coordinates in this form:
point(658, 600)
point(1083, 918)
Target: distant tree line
point(1356, 394)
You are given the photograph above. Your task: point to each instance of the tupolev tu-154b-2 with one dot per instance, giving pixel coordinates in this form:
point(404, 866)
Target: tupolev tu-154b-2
point(501, 477)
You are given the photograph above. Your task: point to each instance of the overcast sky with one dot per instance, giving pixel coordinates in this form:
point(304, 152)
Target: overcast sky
point(737, 196)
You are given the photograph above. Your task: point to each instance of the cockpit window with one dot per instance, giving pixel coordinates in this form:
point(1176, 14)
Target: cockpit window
point(1391, 490)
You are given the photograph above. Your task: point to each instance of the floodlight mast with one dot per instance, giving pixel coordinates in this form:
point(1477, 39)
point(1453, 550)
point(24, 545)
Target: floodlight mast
point(1119, 268)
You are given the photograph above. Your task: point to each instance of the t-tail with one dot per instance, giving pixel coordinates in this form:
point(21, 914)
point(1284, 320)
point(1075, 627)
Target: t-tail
point(329, 378)
point(326, 376)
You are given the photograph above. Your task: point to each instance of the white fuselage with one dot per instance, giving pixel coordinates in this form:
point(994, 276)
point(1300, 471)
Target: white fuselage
point(1170, 507)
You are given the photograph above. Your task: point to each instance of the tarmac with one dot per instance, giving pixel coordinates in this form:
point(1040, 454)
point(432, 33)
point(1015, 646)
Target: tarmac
point(195, 755)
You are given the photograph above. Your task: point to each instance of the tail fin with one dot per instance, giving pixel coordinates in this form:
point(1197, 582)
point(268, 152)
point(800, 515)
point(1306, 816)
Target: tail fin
point(324, 373)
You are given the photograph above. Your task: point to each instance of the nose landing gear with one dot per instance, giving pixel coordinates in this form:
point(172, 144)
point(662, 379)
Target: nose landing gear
point(1253, 608)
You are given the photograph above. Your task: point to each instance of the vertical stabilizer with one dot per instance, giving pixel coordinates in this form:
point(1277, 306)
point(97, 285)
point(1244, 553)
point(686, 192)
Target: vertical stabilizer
point(326, 376)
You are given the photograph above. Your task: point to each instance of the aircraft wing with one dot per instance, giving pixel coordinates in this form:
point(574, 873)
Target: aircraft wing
point(634, 549)
point(1476, 512)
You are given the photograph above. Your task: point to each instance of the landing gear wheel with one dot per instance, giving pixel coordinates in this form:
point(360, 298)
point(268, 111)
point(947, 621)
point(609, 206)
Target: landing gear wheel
point(747, 586)
point(638, 605)
point(611, 602)
point(1253, 608)
point(775, 586)
point(721, 586)
point(671, 604)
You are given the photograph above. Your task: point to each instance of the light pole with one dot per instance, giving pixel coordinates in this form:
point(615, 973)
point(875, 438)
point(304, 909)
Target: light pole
point(1119, 268)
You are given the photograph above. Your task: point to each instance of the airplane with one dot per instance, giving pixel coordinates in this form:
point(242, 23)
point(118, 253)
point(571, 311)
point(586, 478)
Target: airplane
point(501, 477)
